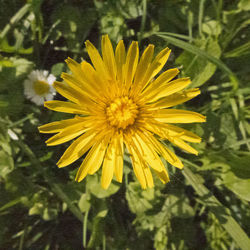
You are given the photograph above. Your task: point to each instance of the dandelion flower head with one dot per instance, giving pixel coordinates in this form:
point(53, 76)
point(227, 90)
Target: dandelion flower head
point(121, 105)
point(38, 87)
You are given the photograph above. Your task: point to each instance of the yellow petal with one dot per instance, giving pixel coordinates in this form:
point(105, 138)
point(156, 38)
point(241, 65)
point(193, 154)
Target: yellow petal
point(95, 84)
point(148, 176)
point(155, 66)
point(72, 94)
point(120, 58)
point(163, 78)
point(178, 116)
point(93, 158)
point(166, 153)
point(131, 64)
point(181, 144)
point(176, 99)
point(108, 56)
point(137, 166)
point(79, 147)
point(99, 158)
point(119, 158)
point(166, 130)
point(144, 63)
point(168, 89)
point(97, 60)
point(80, 85)
point(148, 152)
point(67, 134)
point(58, 126)
point(66, 107)
point(108, 166)
point(74, 67)
point(163, 175)
point(183, 134)
point(171, 157)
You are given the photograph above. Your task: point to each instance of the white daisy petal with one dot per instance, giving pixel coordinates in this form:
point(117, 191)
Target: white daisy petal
point(51, 79)
point(38, 86)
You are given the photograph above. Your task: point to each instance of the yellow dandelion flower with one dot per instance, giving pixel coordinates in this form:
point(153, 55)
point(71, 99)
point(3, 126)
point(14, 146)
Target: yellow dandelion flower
point(120, 105)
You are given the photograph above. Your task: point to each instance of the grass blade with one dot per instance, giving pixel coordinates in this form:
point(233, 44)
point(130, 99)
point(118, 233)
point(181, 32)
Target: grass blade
point(222, 213)
point(15, 19)
point(197, 51)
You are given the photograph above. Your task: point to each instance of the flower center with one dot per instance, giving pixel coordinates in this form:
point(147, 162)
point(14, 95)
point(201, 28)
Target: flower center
point(41, 87)
point(122, 112)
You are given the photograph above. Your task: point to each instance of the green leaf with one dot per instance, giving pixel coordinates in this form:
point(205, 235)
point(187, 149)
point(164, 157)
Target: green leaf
point(5, 62)
point(244, 5)
point(5, 140)
point(199, 52)
point(37, 209)
point(11, 79)
point(222, 213)
point(6, 164)
point(212, 27)
point(51, 181)
point(236, 174)
point(84, 203)
point(179, 206)
point(94, 187)
point(198, 68)
point(6, 160)
point(5, 47)
point(114, 25)
point(98, 223)
point(239, 186)
point(138, 200)
point(49, 213)
point(65, 198)
point(23, 66)
point(57, 69)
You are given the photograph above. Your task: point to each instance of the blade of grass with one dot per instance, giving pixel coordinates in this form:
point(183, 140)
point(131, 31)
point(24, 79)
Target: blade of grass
point(241, 142)
point(22, 238)
point(221, 212)
point(242, 50)
point(143, 21)
point(15, 19)
point(10, 204)
point(190, 19)
point(171, 34)
point(197, 51)
point(200, 17)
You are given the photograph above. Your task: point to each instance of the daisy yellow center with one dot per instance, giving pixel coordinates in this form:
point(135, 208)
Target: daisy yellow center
point(122, 112)
point(41, 87)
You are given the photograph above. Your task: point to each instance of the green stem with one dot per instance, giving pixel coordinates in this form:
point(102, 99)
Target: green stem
point(15, 124)
point(85, 229)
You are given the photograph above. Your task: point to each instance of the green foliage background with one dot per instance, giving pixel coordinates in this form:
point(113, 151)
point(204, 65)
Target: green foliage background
point(205, 206)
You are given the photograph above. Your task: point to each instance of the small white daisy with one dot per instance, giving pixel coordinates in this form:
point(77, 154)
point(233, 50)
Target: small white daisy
point(38, 87)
